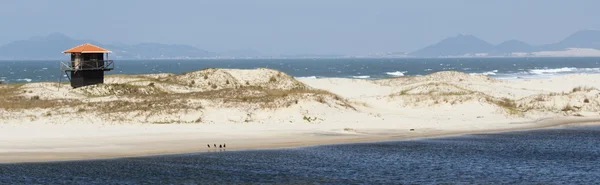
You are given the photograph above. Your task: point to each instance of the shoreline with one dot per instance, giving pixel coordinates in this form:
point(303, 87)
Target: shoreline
point(507, 78)
point(306, 139)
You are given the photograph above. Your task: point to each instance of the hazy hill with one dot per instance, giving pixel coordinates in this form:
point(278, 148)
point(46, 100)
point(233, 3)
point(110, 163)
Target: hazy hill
point(580, 39)
point(469, 45)
point(455, 46)
point(47, 47)
point(51, 47)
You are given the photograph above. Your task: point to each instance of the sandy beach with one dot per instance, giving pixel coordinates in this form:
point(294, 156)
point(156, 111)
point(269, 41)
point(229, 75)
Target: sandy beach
point(135, 115)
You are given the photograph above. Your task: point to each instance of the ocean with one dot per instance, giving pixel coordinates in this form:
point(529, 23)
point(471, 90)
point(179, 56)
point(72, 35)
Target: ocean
point(504, 68)
point(565, 155)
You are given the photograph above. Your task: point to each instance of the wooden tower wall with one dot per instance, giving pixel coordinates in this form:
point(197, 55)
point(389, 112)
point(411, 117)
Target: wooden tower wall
point(84, 78)
point(86, 75)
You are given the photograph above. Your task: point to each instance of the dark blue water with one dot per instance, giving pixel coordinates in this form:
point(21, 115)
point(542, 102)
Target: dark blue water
point(35, 71)
point(549, 156)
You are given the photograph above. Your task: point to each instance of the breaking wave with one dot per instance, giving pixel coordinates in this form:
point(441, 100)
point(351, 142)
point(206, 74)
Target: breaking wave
point(396, 73)
point(488, 73)
point(563, 70)
point(24, 80)
point(361, 77)
point(308, 77)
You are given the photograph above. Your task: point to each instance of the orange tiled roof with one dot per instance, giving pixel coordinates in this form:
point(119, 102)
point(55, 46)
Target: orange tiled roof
point(86, 48)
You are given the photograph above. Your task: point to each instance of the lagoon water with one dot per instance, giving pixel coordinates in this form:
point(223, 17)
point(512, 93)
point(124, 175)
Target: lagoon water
point(569, 155)
point(509, 68)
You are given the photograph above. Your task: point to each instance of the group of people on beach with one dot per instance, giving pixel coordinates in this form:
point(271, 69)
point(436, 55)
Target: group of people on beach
point(220, 146)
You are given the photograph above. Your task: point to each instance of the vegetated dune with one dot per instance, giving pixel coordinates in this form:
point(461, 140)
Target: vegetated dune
point(270, 96)
point(209, 95)
point(450, 91)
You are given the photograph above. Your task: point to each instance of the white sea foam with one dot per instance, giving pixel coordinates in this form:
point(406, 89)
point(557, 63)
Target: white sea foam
point(508, 77)
point(564, 70)
point(555, 70)
point(24, 80)
point(396, 73)
point(546, 73)
point(361, 77)
point(308, 77)
point(488, 73)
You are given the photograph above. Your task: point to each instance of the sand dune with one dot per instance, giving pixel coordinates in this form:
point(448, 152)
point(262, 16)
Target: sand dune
point(133, 115)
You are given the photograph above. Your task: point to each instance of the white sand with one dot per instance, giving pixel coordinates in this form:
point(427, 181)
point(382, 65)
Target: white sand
point(358, 110)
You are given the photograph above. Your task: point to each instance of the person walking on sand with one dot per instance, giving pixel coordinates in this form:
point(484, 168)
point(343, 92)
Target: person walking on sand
point(220, 146)
point(224, 145)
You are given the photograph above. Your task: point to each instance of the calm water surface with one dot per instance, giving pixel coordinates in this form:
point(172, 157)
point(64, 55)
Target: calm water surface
point(549, 156)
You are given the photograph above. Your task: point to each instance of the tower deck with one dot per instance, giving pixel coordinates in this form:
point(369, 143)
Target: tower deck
point(92, 65)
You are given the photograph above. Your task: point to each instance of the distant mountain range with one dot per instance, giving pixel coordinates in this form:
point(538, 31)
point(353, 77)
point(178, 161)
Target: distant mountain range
point(51, 47)
point(581, 43)
point(469, 45)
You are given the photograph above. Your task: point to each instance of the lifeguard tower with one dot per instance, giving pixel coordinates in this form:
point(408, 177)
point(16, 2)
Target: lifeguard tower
point(87, 65)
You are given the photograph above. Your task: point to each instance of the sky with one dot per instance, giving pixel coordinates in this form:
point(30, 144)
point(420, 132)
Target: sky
point(298, 26)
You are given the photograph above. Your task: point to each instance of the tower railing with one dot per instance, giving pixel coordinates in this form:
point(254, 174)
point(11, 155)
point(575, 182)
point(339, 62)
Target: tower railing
point(105, 65)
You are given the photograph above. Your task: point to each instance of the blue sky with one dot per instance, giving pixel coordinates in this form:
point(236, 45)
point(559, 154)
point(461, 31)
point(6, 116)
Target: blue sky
point(298, 26)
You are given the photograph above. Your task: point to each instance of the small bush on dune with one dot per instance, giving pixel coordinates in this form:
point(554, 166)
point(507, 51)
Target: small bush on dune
point(505, 103)
point(583, 88)
point(309, 118)
point(540, 98)
point(568, 108)
point(321, 99)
